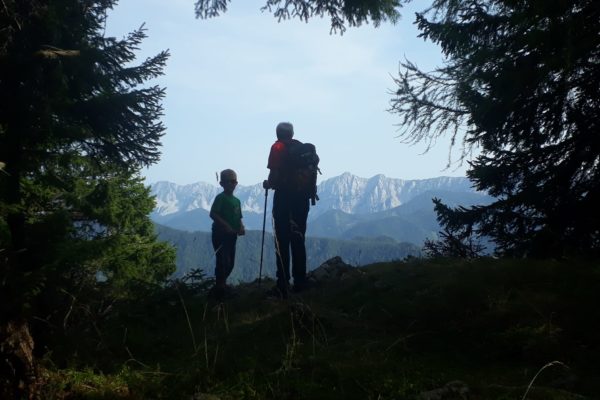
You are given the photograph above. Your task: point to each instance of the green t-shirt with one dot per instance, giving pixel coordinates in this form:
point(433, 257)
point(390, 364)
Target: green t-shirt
point(229, 208)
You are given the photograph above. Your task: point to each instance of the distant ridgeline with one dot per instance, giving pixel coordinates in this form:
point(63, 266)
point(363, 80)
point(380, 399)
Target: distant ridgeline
point(194, 250)
point(350, 206)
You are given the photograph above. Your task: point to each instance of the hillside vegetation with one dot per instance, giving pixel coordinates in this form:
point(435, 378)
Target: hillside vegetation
point(195, 251)
point(443, 329)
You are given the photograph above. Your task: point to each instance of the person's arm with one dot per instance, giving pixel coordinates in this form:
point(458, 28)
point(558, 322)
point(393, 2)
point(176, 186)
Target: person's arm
point(242, 230)
point(219, 221)
point(225, 227)
point(274, 175)
point(274, 164)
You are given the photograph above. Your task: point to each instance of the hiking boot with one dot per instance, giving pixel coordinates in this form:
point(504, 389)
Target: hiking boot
point(277, 293)
point(229, 292)
point(220, 293)
point(216, 293)
point(302, 285)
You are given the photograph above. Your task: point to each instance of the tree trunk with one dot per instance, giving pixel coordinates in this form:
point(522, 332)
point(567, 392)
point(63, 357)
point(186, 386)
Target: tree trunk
point(19, 373)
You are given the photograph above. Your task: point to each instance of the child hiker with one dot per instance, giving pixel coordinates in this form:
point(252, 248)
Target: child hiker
point(226, 213)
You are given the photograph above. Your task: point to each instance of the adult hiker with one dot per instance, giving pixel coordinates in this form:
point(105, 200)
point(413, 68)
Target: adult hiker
point(290, 207)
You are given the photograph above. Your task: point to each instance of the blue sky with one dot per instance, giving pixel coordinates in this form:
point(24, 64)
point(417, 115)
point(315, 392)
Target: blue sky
point(231, 79)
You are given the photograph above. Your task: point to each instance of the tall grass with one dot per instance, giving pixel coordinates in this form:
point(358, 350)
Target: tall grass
point(394, 332)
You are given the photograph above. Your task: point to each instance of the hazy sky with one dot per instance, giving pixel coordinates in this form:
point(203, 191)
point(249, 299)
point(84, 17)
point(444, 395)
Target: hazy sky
point(231, 79)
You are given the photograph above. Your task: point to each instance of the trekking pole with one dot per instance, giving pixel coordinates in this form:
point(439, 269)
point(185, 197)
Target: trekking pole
point(262, 245)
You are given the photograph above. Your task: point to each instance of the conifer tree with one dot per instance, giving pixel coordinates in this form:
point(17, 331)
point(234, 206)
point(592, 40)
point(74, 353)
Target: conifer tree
point(78, 121)
point(521, 82)
point(342, 13)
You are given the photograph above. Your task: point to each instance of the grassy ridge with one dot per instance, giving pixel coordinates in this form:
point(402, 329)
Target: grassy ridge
point(392, 331)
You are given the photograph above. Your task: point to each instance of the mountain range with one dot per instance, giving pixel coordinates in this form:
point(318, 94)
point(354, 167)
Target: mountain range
point(350, 207)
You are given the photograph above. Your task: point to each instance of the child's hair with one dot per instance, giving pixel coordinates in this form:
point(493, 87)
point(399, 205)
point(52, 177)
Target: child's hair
point(228, 174)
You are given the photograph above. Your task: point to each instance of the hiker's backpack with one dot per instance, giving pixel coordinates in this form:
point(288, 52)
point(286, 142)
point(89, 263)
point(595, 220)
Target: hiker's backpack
point(303, 167)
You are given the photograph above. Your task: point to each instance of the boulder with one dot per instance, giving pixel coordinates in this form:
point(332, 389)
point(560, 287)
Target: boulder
point(333, 269)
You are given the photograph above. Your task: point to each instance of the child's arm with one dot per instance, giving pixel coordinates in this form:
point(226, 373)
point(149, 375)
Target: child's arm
point(221, 222)
point(242, 230)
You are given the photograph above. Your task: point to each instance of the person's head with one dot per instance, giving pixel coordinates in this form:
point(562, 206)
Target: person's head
point(285, 131)
point(228, 180)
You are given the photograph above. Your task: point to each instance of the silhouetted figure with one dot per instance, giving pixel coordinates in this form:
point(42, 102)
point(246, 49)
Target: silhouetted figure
point(290, 212)
point(226, 213)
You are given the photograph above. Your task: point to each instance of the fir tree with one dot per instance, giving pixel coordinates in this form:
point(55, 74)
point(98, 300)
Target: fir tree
point(341, 12)
point(522, 83)
point(77, 123)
